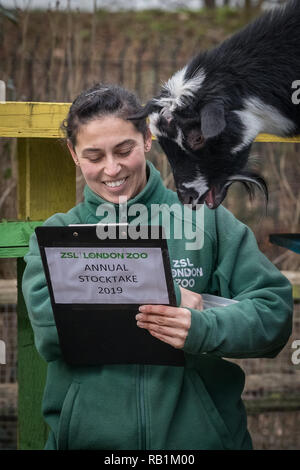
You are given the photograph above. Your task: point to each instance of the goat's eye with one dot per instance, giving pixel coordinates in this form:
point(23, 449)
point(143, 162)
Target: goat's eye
point(195, 139)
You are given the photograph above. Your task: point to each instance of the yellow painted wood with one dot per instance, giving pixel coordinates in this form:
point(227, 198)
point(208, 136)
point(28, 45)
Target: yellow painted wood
point(47, 178)
point(296, 292)
point(275, 138)
point(30, 119)
point(37, 119)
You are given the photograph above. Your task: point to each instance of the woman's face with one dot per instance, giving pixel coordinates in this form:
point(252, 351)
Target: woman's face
point(111, 154)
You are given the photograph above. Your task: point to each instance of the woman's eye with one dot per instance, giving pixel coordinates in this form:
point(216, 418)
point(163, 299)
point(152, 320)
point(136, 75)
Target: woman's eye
point(124, 153)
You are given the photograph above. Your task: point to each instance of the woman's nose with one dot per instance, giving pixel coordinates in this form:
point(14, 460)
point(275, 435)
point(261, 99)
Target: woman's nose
point(112, 167)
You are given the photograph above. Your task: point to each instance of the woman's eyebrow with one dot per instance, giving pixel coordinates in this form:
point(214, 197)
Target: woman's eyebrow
point(92, 149)
point(125, 142)
point(117, 147)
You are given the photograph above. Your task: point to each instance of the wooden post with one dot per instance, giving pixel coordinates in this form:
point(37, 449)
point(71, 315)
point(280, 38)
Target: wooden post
point(32, 431)
point(46, 185)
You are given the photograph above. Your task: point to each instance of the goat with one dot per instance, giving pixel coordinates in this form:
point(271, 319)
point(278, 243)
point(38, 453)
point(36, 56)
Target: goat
point(208, 114)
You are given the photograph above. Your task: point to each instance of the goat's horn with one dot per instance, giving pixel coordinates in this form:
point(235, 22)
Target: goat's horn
point(143, 113)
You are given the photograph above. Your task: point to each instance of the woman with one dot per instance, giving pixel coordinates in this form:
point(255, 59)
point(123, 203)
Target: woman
point(134, 406)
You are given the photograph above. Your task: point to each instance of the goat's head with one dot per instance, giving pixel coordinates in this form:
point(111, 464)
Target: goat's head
point(203, 139)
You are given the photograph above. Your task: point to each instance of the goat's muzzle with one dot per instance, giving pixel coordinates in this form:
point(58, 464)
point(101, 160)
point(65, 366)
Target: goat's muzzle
point(216, 194)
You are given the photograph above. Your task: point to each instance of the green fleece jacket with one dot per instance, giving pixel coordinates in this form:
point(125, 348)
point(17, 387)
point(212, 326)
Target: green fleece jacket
point(153, 407)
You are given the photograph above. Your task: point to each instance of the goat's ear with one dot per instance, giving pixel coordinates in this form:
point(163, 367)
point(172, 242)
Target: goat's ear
point(143, 112)
point(212, 119)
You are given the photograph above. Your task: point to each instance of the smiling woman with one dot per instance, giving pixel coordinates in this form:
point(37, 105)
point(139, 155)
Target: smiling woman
point(109, 150)
point(111, 155)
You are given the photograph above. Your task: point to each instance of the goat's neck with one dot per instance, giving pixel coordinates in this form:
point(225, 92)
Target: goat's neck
point(257, 116)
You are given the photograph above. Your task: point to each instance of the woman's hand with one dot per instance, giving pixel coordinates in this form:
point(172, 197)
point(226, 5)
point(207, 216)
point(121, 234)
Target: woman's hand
point(170, 324)
point(190, 299)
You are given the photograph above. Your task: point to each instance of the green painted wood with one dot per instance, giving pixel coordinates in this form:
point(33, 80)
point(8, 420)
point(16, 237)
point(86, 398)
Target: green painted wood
point(32, 431)
point(14, 238)
point(13, 252)
point(291, 241)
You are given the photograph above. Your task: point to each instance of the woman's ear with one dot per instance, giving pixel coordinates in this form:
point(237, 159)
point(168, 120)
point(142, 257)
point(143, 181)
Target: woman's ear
point(148, 140)
point(72, 152)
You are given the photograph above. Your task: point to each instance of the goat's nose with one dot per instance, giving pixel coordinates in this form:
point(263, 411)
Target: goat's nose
point(186, 197)
point(167, 115)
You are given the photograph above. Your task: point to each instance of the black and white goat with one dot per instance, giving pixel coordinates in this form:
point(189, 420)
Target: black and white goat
point(209, 113)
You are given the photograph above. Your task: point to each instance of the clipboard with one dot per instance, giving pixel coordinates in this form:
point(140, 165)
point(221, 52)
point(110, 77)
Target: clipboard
point(96, 325)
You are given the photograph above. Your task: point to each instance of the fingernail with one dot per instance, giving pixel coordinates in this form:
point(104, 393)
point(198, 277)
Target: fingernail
point(141, 308)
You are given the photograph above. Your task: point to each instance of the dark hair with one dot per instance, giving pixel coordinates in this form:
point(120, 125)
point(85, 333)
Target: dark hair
point(98, 101)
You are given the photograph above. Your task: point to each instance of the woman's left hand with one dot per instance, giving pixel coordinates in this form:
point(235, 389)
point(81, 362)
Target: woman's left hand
point(169, 324)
